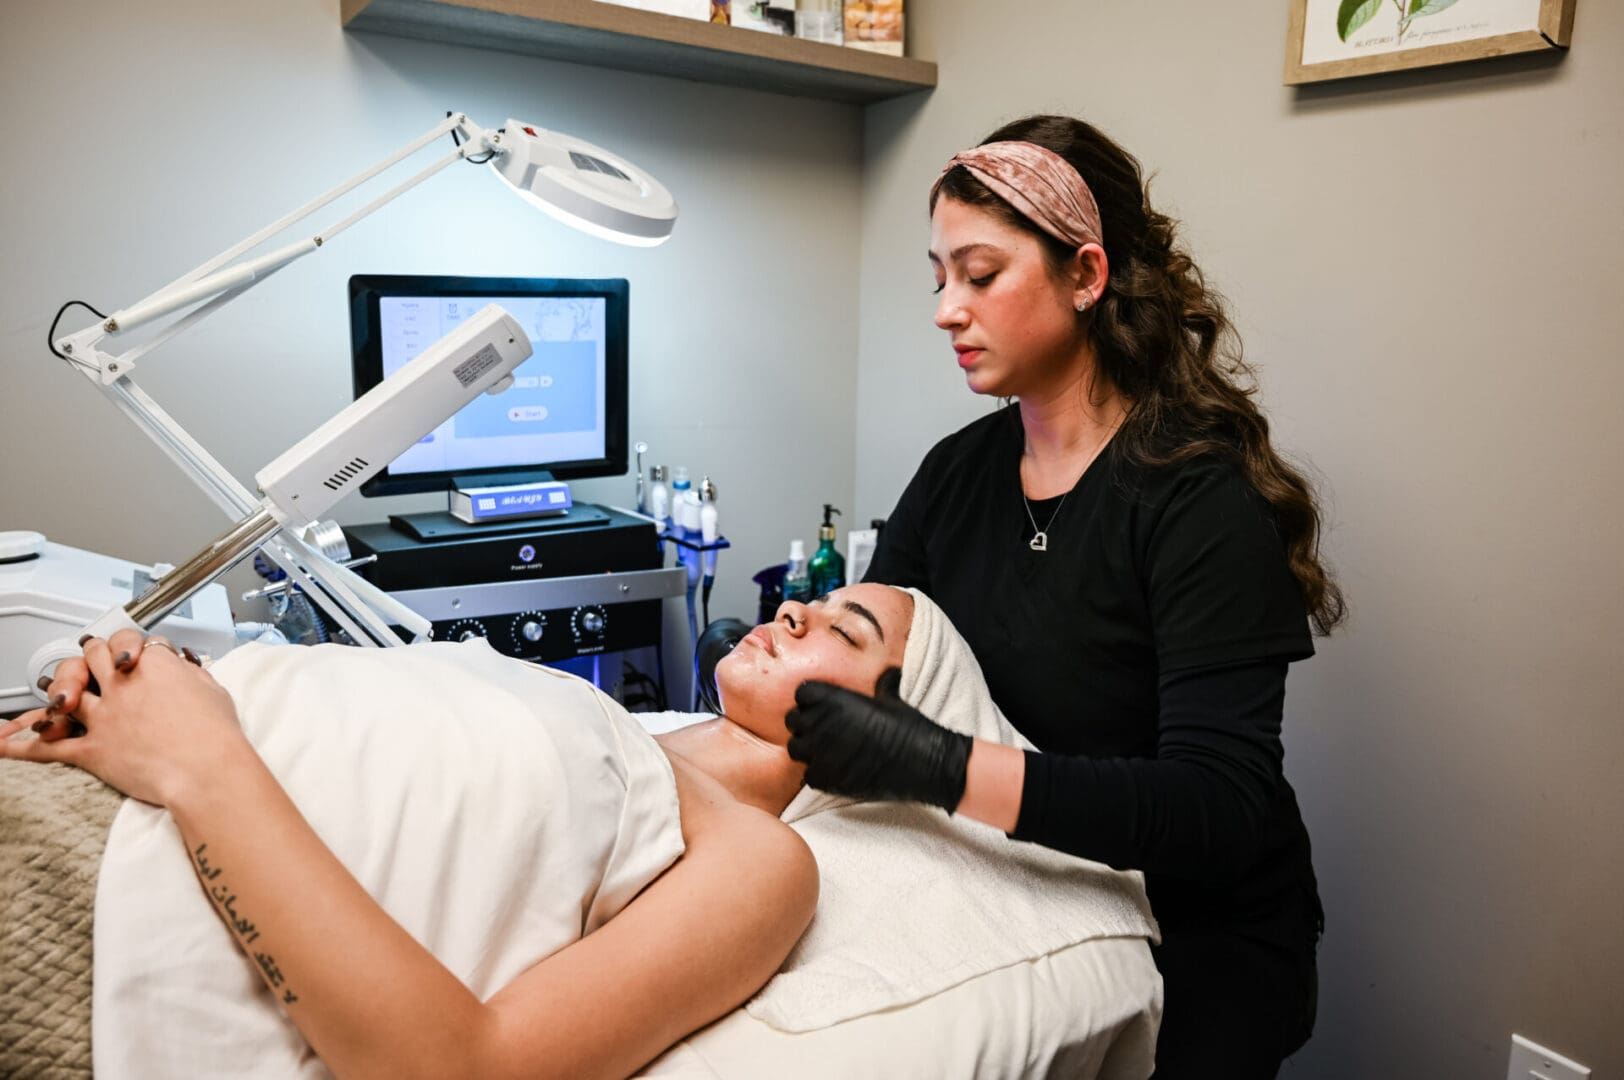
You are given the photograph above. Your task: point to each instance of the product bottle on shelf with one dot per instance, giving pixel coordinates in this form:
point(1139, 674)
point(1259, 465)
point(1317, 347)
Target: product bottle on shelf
point(819, 20)
point(659, 496)
point(680, 486)
point(709, 518)
point(797, 585)
point(828, 567)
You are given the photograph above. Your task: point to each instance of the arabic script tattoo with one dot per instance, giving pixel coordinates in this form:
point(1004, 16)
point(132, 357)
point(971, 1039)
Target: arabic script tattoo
point(225, 902)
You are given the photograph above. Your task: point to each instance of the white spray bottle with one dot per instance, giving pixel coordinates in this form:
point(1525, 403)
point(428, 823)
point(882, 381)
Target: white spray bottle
point(709, 530)
point(659, 498)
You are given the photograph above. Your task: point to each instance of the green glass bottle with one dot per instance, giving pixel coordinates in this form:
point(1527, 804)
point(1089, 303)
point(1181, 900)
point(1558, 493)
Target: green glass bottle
point(827, 568)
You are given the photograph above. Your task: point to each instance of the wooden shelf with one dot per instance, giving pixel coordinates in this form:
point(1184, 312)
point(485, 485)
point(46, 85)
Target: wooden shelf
point(587, 32)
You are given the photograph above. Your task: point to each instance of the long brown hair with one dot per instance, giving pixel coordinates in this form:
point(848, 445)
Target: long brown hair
point(1165, 341)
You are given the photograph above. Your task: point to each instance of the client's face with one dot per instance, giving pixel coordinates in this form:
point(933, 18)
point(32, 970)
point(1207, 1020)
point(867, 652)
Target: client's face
point(847, 638)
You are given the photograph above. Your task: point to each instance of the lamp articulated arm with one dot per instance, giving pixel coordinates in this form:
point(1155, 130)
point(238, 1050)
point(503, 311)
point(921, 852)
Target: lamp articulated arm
point(584, 185)
point(477, 357)
point(364, 611)
point(219, 283)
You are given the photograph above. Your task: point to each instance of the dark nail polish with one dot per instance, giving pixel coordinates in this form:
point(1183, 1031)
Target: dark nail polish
point(186, 651)
point(44, 683)
point(41, 725)
point(124, 661)
point(57, 701)
point(84, 639)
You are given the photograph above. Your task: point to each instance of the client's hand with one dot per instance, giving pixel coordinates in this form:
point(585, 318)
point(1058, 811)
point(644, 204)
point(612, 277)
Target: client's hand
point(153, 722)
point(72, 678)
point(876, 747)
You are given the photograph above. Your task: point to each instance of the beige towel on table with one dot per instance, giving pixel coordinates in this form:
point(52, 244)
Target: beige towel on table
point(914, 901)
point(53, 827)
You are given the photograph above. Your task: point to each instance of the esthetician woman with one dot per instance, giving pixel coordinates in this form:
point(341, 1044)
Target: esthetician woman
point(1135, 567)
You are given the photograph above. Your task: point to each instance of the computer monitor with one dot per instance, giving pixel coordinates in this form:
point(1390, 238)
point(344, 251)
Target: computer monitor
point(565, 413)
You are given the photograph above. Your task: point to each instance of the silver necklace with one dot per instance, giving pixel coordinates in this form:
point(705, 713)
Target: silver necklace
point(1040, 539)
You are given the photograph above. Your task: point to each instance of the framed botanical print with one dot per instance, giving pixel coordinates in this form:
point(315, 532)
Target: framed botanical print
point(1333, 39)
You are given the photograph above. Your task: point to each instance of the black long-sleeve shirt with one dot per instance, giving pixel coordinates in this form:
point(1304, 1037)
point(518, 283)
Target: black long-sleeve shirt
point(1144, 653)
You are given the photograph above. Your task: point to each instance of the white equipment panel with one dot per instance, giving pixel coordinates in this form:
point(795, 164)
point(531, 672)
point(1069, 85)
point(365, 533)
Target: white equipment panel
point(61, 590)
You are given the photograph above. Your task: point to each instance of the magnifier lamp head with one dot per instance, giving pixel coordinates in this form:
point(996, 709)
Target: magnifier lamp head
point(584, 186)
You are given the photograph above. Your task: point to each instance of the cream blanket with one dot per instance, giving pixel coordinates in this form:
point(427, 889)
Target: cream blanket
point(497, 811)
point(914, 901)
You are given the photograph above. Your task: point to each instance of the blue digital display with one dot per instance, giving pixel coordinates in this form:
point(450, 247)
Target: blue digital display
point(554, 411)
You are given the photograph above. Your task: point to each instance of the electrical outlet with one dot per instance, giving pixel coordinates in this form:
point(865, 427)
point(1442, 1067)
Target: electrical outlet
point(1531, 1061)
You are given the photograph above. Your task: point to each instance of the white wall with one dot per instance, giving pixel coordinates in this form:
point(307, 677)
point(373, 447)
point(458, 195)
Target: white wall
point(142, 138)
point(1426, 270)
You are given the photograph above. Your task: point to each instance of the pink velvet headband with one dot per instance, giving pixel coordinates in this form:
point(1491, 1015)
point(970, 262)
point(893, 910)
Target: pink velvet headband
point(1038, 183)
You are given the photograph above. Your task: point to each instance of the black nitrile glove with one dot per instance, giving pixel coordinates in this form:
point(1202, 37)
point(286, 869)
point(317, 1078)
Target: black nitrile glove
point(876, 747)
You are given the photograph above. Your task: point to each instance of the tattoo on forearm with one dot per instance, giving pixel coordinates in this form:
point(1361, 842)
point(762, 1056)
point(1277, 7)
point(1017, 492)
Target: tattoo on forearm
point(225, 901)
point(273, 975)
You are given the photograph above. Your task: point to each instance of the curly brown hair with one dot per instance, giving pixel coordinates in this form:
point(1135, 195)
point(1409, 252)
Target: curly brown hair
point(1165, 341)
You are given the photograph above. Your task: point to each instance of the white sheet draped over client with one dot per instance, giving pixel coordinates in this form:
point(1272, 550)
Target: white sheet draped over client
point(499, 811)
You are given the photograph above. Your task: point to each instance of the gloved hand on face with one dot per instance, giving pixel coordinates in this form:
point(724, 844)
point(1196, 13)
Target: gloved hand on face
point(876, 747)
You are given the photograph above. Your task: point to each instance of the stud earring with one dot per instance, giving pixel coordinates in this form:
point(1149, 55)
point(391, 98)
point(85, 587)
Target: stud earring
point(1082, 305)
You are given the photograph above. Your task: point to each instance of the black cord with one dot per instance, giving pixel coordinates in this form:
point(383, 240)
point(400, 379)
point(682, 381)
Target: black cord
point(664, 701)
point(50, 335)
point(648, 691)
point(456, 140)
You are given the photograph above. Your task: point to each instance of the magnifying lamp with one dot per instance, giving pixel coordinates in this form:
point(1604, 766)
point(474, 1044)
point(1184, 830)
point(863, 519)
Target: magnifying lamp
point(585, 186)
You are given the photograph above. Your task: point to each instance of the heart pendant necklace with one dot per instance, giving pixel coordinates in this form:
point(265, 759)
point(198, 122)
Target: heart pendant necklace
point(1040, 539)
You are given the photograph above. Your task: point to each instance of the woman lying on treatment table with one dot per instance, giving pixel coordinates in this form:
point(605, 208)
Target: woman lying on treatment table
point(692, 945)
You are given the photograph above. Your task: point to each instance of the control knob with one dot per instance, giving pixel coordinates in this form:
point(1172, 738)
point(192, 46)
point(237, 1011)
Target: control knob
point(529, 627)
point(590, 621)
point(465, 630)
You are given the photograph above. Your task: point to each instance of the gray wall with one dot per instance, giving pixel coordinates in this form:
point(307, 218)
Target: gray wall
point(1426, 270)
point(142, 138)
